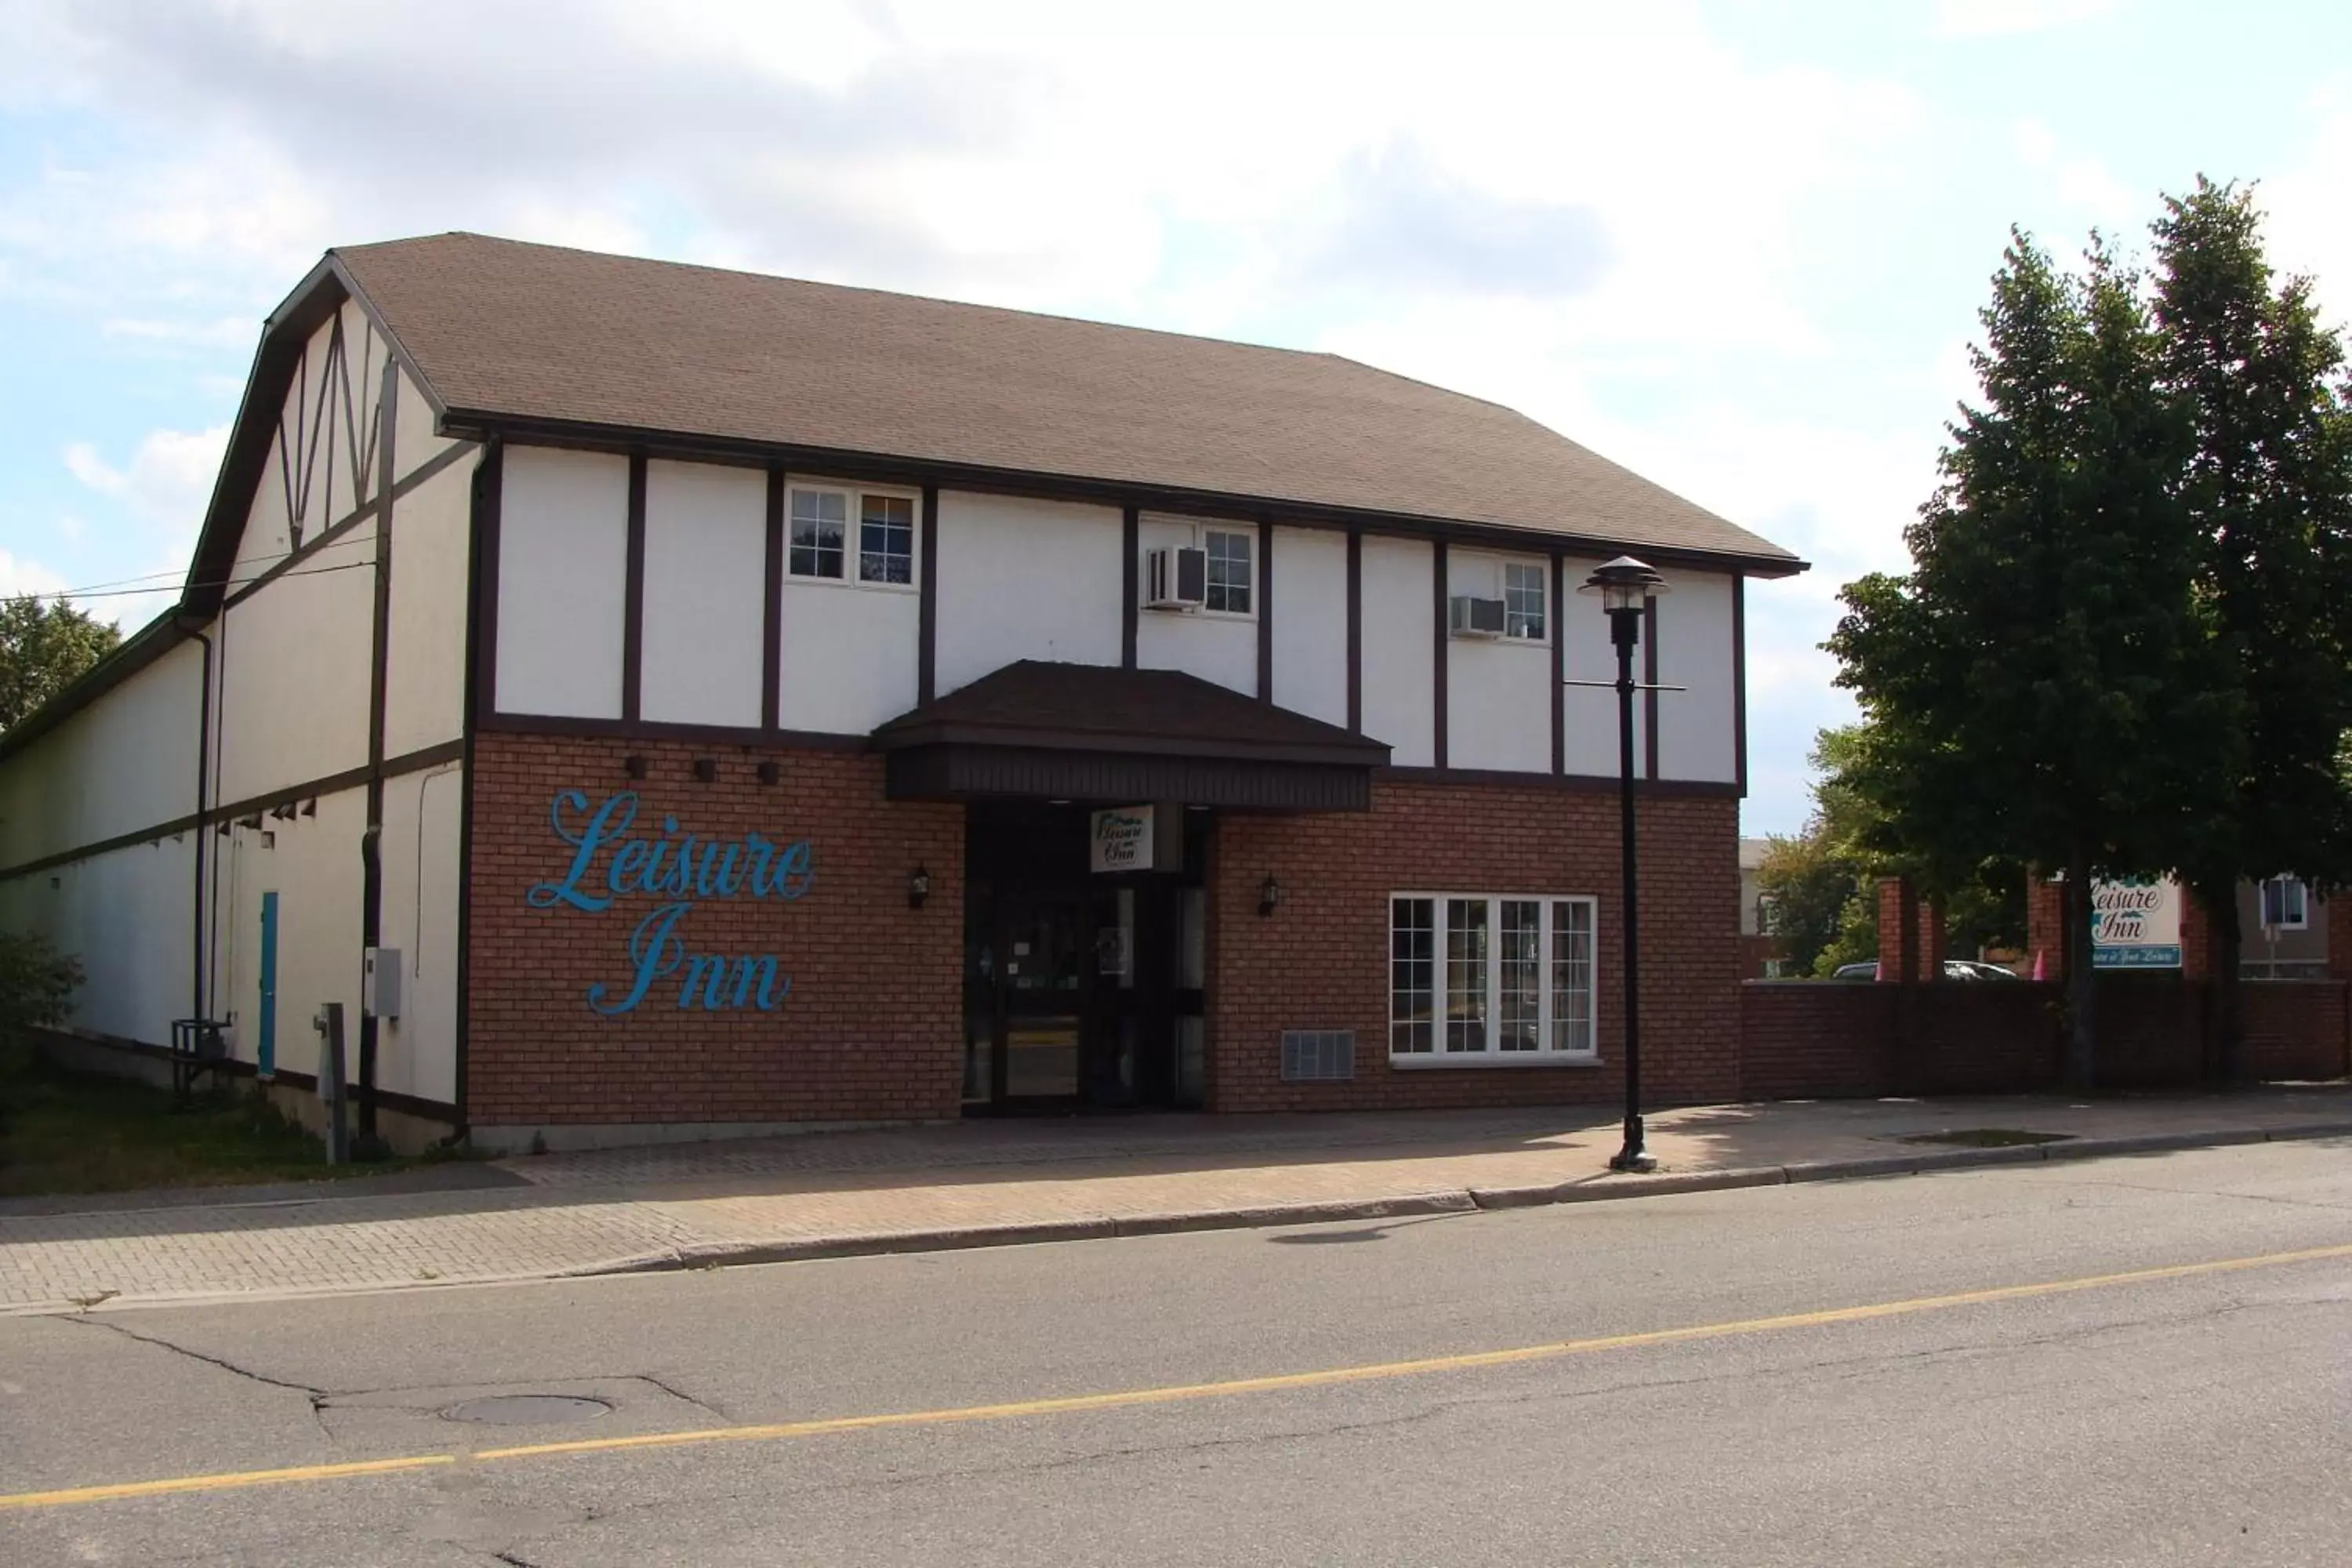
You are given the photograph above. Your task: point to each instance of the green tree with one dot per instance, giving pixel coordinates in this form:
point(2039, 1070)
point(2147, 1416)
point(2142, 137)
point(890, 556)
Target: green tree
point(2036, 688)
point(45, 646)
point(2268, 487)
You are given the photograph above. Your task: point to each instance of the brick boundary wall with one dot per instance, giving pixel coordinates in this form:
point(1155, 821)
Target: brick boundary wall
point(872, 1026)
point(1813, 1039)
point(1320, 960)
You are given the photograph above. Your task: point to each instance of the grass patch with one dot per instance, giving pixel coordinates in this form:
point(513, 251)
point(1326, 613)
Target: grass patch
point(65, 1131)
point(1987, 1137)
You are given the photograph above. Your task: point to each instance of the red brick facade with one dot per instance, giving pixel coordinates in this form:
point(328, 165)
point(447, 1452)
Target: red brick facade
point(872, 1028)
point(1320, 960)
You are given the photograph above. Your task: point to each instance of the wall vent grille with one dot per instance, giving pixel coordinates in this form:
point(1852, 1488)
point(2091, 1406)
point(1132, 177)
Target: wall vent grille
point(1318, 1055)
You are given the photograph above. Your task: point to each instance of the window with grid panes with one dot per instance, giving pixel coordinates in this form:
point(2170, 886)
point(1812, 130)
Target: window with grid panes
point(1523, 600)
point(1229, 582)
point(1491, 977)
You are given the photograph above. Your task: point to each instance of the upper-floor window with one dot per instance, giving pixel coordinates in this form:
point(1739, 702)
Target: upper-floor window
point(820, 545)
point(1523, 600)
point(1231, 578)
point(2286, 904)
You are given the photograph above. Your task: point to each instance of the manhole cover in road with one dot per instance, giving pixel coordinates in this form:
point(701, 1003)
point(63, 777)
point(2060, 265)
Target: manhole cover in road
point(527, 1409)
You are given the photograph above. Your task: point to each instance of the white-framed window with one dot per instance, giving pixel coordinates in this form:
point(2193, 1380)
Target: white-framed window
point(1233, 570)
point(1486, 978)
point(1525, 588)
point(2286, 903)
point(839, 533)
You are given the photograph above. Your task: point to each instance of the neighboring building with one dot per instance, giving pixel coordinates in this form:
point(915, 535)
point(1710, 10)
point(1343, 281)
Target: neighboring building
point(1760, 954)
point(704, 693)
point(2283, 930)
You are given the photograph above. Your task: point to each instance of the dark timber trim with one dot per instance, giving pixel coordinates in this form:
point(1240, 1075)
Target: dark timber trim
point(1650, 697)
point(480, 569)
point(1438, 690)
point(1356, 630)
point(379, 675)
point(1739, 681)
point(1665, 788)
point(745, 736)
point(491, 499)
point(431, 469)
point(1556, 623)
point(772, 607)
point(633, 591)
point(1131, 609)
point(1264, 611)
point(926, 605)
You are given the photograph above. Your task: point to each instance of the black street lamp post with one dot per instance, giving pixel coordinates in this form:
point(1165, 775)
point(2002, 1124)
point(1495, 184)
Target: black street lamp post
point(1626, 587)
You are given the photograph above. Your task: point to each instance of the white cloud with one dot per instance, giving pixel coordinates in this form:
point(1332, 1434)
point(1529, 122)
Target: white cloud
point(21, 576)
point(168, 481)
point(2003, 18)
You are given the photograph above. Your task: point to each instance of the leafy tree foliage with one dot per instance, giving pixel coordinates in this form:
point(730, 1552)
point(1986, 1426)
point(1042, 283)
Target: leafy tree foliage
point(45, 646)
point(2040, 689)
point(2268, 489)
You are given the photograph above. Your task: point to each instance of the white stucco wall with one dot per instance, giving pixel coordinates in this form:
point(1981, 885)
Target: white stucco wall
point(705, 593)
point(417, 1053)
point(1220, 647)
point(848, 657)
point(1311, 621)
point(425, 664)
point(1589, 714)
point(1025, 579)
point(563, 536)
point(291, 703)
point(125, 763)
point(328, 422)
point(126, 916)
point(313, 865)
point(1697, 728)
point(1399, 670)
point(1497, 710)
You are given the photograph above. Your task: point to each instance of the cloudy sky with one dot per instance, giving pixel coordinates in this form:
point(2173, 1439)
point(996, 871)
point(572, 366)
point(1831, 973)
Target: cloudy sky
point(1737, 247)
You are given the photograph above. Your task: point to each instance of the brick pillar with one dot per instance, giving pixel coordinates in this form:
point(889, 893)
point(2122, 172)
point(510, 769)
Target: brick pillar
point(2200, 948)
point(1898, 929)
point(2339, 937)
point(2046, 926)
point(1934, 944)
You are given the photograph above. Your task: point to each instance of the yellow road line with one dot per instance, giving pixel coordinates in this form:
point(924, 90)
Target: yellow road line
point(1132, 1398)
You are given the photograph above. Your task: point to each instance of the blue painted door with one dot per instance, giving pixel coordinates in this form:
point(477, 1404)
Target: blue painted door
point(266, 1036)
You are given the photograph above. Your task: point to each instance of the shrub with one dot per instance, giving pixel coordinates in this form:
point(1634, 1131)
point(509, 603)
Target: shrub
point(37, 982)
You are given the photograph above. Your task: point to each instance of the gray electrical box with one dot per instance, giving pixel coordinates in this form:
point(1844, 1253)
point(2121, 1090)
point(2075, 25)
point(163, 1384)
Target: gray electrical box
point(380, 983)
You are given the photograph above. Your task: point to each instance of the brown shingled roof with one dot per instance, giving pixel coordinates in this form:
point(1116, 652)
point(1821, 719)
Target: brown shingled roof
point(1098, 708)
point(502, 330)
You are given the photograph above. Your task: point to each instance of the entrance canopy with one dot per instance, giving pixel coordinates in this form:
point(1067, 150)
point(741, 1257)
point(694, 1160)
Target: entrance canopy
point(1038, 731)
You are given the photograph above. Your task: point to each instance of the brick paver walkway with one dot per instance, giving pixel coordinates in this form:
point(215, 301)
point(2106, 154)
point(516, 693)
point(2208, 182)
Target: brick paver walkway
point(587, 1213)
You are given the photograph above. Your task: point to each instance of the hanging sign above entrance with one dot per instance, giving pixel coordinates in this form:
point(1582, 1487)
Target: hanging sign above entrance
point(2134, 924)
point(1120, 838)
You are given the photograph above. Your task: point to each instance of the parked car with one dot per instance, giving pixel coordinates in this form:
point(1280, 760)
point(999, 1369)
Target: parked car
point(1954, 969)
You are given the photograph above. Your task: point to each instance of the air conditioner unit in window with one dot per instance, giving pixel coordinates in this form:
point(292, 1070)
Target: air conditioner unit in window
point(1175, 579)
point(1476, 617)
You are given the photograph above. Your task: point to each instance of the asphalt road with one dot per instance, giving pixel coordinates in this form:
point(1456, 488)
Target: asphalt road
point(2142, 1360)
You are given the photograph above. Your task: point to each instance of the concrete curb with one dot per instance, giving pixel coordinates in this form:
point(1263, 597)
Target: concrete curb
point(1597, 1188)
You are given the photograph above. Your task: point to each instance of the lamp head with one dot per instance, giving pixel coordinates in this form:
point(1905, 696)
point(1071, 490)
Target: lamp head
point(1624, 583)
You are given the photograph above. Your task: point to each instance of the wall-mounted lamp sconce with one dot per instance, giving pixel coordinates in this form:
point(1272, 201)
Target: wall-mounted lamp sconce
point(769, 773)
point(310, 807)
point(706, 769)
point(1269, 895)
point(222, 828)
point(253, 821)
point(283, 811)
point(918, 886)
point(635, 766)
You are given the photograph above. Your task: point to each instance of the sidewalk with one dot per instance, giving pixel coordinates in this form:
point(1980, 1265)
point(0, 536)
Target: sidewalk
point(977, 1183)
